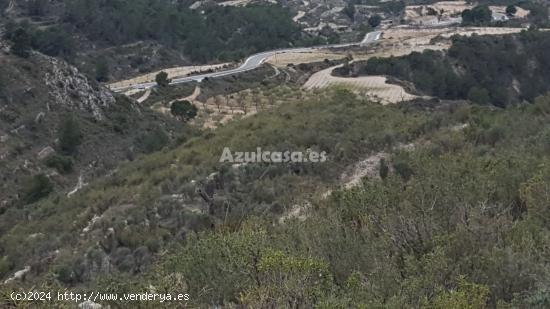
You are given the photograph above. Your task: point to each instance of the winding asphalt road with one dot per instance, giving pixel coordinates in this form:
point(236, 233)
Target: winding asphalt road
point(253, 62)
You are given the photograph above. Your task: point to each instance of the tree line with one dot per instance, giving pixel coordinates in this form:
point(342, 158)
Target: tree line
point(53, 41)
point(223, 33)
point(484, 69)
point(226, 33)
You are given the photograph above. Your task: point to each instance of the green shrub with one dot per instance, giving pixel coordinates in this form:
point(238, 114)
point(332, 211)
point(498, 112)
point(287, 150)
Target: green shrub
point(64, 274)
point(36, 188)
point(63, 164)
point(152, 141)
point(184, 110)
point(479, 95)
point(70, 136)
point(102, 70)
point(21, 42)
point(403, 169)
point(162, 79)
point(5, 266)
point(477, 16)
point(384, 169)
point(467, 295)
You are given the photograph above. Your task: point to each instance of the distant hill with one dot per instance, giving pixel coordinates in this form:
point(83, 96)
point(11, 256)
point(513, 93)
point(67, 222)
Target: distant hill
point(140, 35)
point(499, 70)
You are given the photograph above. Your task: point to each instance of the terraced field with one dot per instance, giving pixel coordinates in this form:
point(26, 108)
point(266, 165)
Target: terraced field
point(374, 87)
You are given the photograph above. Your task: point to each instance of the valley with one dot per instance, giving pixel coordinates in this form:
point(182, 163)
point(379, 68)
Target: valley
point(432, 116)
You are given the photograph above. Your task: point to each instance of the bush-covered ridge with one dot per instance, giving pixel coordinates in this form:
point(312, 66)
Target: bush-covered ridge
point(161, 189)
point(499, 70)
point(466, 229)
point(224, 33)
point(459, 219)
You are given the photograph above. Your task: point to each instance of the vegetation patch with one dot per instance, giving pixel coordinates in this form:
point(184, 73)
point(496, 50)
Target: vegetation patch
point(500, 70)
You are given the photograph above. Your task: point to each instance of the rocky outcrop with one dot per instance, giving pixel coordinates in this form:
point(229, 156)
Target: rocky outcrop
point(71, 88)
point(45, 152)
point(19, 275)
point(81, 184)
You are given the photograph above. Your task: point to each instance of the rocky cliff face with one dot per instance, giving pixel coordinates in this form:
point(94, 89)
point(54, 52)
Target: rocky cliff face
point(36, 95)
point(70, 88)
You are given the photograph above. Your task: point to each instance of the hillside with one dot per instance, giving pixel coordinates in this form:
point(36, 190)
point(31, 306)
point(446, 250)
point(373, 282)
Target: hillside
point(454, 193)
point(124, 38)
point(487, 70)
point(408, 171)
point(59, 129)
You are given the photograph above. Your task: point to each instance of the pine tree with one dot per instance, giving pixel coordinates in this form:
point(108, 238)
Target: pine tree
point(102, 70)
point(70, 136)
point(162, 79)
point(21, 43)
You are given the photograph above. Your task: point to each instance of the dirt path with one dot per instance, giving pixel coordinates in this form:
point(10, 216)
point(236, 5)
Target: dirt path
point(145, 96)
point(369, 167)
point(162, 108)
point(192, 97)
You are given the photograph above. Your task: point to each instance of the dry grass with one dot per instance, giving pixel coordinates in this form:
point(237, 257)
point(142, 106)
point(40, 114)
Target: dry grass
point(415, 37)
point(521, 13)
point(419, 14)
point(325, 24)
point(374, 87)
point(449, 8)
point(221, 109)
point(282, 60)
